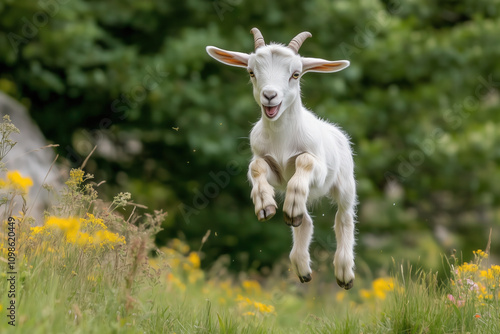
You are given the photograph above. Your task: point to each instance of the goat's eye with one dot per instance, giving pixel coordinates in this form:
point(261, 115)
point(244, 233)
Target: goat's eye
point(252, 75)
point(296, 75)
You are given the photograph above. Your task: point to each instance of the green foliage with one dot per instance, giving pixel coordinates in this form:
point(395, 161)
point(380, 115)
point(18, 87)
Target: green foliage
point(420, 101)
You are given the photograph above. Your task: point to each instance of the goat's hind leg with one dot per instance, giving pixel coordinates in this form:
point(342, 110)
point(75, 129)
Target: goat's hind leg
point(262, 192)
point(345, 195)
point(299, 256)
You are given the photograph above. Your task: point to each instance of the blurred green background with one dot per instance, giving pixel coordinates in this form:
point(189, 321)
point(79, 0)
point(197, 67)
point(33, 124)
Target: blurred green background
point(420, 101)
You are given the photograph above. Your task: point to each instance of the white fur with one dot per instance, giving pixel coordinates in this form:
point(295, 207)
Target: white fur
point(297, 153)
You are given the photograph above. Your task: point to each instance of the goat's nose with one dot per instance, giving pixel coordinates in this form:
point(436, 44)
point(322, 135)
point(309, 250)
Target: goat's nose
point(269, 94)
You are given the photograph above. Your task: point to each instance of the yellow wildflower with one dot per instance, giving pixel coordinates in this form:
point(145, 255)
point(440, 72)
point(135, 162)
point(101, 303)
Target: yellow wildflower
point(243, 300)
point(75, 177)
point(495, 269)
point(484, 293)
point(84, 239)
point(93, 223)
point(467, 268)
point(381, 286)
point(245, 303)
point(109, 239)
point(37, 230)
point(70, 226)
point(489, 274)
point(194, 259)
point(263, 308)
point(481, 254)
point(365, 294)
point(249, 313)
point(16, 182)
point(251, 286)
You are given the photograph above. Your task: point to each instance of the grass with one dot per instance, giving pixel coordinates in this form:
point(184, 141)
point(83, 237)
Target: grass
point(90, 269)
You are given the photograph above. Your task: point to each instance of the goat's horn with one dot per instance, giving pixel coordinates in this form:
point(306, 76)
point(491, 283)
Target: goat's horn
point(257, 37)
point(297, 41)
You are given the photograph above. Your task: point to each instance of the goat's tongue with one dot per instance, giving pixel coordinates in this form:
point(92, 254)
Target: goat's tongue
point(271, 111)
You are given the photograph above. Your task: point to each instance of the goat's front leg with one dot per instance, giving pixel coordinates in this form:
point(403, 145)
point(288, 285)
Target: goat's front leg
point(297, 189)
point(262, 192)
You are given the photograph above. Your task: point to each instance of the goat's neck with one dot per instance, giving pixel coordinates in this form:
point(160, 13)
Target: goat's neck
point(289, 122)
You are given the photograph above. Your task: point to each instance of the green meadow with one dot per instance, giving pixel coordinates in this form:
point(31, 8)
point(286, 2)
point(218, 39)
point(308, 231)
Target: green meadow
point(91, 268)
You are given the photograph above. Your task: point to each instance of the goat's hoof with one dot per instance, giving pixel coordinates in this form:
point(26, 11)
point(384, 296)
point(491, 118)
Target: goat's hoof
point(293, 221)
point(305, 279)
point(345, 286)
point(267, 213)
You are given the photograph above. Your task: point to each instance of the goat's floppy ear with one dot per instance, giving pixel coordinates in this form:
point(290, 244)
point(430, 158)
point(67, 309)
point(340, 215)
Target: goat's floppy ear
point(231, 58)
point(321, 65)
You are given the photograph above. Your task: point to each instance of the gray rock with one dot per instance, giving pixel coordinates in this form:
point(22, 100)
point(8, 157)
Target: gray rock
point(32, 158)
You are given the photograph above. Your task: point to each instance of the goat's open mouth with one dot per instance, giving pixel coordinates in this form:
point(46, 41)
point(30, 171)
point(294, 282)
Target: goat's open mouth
point(271, 111)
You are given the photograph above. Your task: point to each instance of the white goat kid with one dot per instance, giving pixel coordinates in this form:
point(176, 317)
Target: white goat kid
point(295, 152)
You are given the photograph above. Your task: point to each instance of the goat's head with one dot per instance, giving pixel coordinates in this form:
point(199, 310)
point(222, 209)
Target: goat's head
point(275, 70)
